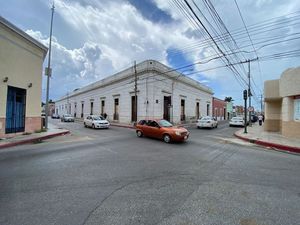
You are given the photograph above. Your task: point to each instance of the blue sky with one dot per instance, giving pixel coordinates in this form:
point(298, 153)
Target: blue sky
point(94, 39)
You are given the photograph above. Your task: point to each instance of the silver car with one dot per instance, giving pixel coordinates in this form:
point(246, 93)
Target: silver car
point(96, 122)
point(67, 118)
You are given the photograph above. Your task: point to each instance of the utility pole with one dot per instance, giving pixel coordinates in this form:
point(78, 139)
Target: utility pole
point(261, 103)
point(245, 95)
point(135, 92)
point(48, 70)
point(249, 93)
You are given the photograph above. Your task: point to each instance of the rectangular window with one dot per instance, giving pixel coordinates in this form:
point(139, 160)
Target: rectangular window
point(297, 109)
point(116, 109)
point(182, 110)
point(92, 108)
point(82, 108)
point(207, 109)
point(102, 107)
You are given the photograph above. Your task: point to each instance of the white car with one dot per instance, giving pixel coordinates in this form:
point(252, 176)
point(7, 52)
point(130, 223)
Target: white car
point(237, 121)
point(207, 121)
point(96, 122)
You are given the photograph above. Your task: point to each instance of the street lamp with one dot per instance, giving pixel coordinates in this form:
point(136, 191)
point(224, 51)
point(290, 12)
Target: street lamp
point(48, 70)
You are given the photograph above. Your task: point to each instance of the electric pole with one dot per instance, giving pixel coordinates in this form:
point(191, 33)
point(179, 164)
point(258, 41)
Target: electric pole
point(245, 95)
point(135, 92)
point(261, 103)
point(48, 70)
point(249, 92)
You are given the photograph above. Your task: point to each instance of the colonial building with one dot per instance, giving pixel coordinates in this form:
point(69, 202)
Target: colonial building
point(161, 92)
point(21, 61)
point(282, 104)
point(219, 108)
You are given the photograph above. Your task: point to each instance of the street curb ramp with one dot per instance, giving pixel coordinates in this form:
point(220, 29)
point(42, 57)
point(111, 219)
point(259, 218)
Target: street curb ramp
point(33, 140)
point(269, 144)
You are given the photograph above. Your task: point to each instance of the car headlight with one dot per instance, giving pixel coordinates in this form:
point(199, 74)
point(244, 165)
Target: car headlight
point(177, 133)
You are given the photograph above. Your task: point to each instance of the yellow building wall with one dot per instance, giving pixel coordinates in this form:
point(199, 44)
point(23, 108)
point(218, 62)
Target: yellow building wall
point(22, 62)
point(272, 116)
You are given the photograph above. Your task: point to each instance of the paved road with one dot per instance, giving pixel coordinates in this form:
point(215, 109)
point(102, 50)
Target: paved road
point(113, 177)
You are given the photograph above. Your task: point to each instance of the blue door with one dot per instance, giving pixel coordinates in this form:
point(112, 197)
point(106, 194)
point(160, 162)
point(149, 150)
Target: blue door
point(15, 110)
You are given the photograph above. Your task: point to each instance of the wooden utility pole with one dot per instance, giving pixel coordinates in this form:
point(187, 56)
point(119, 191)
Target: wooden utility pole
point(249, 92)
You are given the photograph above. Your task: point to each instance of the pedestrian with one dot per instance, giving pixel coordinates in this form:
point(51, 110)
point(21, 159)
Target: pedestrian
point(105, 115)
point(260, 119)
point(263, 118)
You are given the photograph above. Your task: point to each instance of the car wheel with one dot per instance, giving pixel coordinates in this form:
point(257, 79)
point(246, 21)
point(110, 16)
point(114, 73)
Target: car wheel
point(167, 138)
point(139, 133)
point(93, 126)
point(84, 124)
point(217, 126)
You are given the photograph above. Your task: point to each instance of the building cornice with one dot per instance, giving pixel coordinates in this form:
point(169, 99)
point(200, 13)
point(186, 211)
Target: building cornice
point(142, 68)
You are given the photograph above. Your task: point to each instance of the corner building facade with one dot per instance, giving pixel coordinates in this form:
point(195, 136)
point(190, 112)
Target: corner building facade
point(161, 93)
point(21, 66)
point(282, 104)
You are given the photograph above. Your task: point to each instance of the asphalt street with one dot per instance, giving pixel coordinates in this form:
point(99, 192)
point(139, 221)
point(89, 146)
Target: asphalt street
point(113, 177)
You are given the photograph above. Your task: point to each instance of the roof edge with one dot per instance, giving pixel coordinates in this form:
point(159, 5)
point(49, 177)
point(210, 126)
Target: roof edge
point(23, 34)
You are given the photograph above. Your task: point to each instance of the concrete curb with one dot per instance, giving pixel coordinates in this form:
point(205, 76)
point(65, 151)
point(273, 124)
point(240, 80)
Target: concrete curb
point(269, 144)
point(32, 140)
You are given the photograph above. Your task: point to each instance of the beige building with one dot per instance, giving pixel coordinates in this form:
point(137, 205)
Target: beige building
point(282, 104)
point(21, 65)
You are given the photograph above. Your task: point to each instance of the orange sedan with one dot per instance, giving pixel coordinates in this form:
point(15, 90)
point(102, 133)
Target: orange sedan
point(161, 129)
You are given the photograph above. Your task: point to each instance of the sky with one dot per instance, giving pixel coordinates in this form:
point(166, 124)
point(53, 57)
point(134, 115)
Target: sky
point(93, 39)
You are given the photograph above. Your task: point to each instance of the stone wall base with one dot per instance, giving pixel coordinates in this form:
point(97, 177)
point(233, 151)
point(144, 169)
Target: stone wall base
point(272, 125)
point(291, 129)
point(32, 124)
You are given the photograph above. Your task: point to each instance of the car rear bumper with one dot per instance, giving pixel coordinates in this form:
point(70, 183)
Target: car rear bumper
point(204, 125)
point(236, 124)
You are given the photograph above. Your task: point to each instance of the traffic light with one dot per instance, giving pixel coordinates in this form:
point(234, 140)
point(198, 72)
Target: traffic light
point(245, 94)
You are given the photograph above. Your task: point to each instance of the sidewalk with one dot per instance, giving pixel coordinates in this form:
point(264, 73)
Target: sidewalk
point(275, 140)
point(53, 131)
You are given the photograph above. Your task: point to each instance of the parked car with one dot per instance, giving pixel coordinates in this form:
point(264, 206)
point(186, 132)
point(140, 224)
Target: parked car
point(55, 116)
point(237, 121)
point(67, 118)
point(207, 121)
point(161, 129)
point(96, 122)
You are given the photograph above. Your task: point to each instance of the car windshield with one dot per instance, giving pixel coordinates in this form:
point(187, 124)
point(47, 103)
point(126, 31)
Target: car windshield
point(206, 118)
point(237, 118)
point(68, 115)
point(165, 123)
point(98, 118)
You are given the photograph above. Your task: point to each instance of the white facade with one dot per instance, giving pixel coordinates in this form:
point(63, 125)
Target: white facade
point(157, 87)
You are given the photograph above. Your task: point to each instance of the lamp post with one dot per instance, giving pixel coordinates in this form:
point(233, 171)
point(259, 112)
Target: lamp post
point(48, 69)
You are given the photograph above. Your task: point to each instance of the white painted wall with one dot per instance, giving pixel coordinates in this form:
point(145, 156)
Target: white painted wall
point(152, 86)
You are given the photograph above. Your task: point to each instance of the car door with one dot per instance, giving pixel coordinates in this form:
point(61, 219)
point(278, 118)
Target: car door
point(154, 130)
point(88, 121)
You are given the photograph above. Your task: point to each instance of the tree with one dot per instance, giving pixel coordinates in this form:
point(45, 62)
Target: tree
point(228, 99)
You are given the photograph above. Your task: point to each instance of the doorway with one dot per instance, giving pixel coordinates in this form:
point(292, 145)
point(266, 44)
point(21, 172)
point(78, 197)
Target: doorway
point(167, 105)
point(133, 109)
point(15, 110)
point(197, 110)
